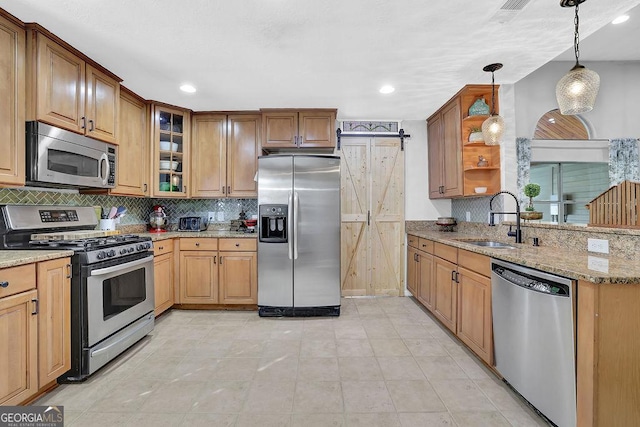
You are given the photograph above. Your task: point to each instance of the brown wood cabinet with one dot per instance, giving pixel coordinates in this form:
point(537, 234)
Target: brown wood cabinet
point(198, 270)
point(66, 91)
point(132, 174)
point(225, 155)
point(453, 160)
point(18, 334)
point(413, 271)
point(170, 151)
point(298, 129)
point(163, 272)
point(455, 285)
point(474, 308)
point(218, 271)
point(12, 107)
point(54, 319)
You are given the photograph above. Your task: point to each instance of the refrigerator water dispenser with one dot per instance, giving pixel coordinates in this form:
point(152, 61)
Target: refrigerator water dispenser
point(273, 223)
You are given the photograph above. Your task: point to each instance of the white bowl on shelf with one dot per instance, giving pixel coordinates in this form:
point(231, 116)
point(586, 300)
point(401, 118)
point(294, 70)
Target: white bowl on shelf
point(168, 146)
point(480, 190)
point(167, 164)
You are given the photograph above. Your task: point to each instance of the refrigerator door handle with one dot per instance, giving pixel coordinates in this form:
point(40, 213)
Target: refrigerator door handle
point(290, 224)
point(296, 205)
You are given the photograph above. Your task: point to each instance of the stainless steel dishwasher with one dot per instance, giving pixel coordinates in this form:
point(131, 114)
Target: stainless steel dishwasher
point(533, 330)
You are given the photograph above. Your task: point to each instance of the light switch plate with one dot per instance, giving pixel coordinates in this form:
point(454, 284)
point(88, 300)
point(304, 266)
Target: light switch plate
point(468, 216)
point(598, 245)
point(211, 217)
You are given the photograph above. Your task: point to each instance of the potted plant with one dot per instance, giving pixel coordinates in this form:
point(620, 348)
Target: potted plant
point(475, 134)
point(531, 190)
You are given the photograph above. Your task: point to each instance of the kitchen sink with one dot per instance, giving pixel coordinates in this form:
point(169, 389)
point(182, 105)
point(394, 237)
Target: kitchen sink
point(490, 244)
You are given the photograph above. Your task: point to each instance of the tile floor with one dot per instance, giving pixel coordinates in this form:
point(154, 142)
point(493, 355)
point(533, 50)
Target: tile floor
point(383, 362)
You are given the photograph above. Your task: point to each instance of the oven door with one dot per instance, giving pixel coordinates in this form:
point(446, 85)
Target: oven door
point(117, 295)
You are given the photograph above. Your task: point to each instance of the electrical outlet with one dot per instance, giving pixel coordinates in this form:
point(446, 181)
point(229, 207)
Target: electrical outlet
point(598, 245)
point(468, 216)
point(211, 217)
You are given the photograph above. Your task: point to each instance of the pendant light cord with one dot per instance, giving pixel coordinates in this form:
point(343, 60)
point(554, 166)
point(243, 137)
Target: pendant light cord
point(493, 95)
point(576, 36)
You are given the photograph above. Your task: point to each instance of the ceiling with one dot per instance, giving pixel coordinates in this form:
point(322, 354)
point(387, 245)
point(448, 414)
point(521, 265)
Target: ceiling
point(251, 54)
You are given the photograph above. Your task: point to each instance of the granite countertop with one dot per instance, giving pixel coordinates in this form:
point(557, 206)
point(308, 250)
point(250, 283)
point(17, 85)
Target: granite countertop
point(13, 258)
point(595, 268)
point(206, 233)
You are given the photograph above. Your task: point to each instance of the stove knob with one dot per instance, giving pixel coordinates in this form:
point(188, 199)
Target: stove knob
point(147, 245)
point(131, 249)
point(123, 251)
point(111, 253)
point(101, 255)
point(139, 247)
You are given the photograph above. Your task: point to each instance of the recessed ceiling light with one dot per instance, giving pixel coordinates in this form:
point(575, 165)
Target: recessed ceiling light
point(620, 19)
point(187, 88)
point(387, 89)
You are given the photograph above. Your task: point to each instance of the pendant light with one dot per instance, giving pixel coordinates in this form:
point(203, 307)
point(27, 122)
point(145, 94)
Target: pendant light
point(493, 127)
point(576, 92)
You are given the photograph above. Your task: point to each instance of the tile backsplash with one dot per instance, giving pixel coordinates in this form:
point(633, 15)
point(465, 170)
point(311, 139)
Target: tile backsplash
point(138, 209)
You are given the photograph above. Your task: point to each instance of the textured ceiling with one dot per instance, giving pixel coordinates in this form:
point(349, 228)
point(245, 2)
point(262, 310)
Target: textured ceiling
point(254, 54)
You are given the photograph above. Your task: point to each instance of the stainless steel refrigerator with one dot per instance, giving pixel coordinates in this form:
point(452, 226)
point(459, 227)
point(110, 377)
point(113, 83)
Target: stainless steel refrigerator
point(299, 235)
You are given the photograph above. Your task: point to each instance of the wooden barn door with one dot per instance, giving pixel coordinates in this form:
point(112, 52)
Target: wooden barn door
point(372, 200)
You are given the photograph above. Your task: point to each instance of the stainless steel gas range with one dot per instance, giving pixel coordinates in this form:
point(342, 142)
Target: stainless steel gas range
point(112, 295)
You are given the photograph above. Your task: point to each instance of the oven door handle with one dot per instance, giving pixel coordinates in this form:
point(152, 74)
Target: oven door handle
point(103, 271)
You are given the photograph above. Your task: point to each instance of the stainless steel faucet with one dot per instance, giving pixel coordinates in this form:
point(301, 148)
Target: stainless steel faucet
point(518, 233)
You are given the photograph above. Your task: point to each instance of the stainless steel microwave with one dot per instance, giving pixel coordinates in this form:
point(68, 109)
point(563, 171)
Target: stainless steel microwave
point(59, 158)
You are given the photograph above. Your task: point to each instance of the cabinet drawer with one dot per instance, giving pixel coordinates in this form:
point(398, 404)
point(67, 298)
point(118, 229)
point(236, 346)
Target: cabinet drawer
point(426, 245)
point(413, 241)
point(17, 279)
point(162, 247)
point(199, 244)
point(481, 264)
point(245, 244)
point(447, 252)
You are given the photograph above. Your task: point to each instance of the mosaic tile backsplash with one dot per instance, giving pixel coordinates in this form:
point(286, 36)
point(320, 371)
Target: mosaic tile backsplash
point(138, 209)
point(478, 208)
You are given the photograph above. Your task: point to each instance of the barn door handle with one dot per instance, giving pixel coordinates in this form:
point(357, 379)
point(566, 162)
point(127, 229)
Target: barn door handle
point(368, 217)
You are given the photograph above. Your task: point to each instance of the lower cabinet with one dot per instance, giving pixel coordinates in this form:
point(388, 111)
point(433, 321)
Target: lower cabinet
point(163, 275)
point(455, 285)
point(35, 328)
point(54, 319)
point(218, 271)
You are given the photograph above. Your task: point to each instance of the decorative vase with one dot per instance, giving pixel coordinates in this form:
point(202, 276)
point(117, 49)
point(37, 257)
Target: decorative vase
point(475, 136)
point(482, 162)
point(530, 215)
point(479, 108)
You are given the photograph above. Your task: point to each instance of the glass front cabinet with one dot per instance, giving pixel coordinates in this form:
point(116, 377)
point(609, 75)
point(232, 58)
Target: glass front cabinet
point(170, 152)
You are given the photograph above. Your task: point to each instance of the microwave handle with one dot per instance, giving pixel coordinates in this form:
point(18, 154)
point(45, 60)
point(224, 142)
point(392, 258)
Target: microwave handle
point(104, 167)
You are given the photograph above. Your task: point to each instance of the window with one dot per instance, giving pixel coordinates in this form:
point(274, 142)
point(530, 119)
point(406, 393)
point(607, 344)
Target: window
point(565, 189)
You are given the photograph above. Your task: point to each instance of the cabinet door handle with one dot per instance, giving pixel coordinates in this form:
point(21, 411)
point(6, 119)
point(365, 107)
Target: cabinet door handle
point(197, 244)
point(457, 277)
point(301, 140)
point(84, 122)
point(224, 189)
point(453, 275)
point(160, 248)
point(237, 245)
point(91, 127)
point(4, 284)
point(295, 140)
point(214, 258)
point(184, 188)
point(221, 259)
point(68, 271)
point(228, 190)
point(35, 306)
point(145, 188)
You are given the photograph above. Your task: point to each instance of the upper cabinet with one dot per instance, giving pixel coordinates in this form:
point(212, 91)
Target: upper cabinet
point(12, 107)
point(132, 174)
point(298, 129)
point(458, 164)
point(170, 154)
point(64, 90)
point(224, 155)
